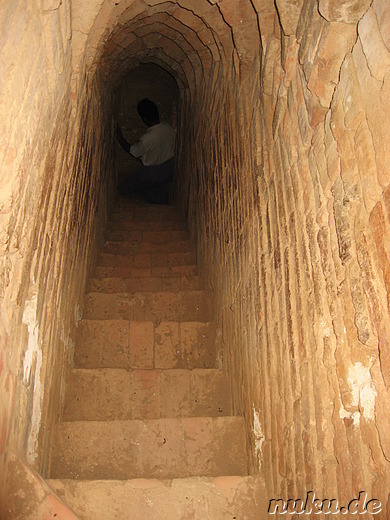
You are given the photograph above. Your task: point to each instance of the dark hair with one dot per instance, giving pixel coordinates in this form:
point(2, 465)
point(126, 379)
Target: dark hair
point(148, 110)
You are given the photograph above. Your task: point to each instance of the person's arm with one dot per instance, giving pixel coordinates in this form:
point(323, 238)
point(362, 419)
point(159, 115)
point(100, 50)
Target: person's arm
point(122, 141)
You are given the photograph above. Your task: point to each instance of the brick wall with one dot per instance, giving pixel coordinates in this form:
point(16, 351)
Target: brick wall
point(286, 192)
point(55, 160)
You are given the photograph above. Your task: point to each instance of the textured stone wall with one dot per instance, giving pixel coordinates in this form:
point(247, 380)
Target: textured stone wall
point(56, 157)
point(287, 196)
point(283, 170)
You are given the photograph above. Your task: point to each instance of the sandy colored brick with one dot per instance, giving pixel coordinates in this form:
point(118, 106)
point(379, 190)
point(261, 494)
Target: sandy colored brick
point(141, 344)
point(107, 306)
point(167, 345)
point(102, 343)
point(155, 448)
point(197, 341)
point(241, 496)
point(109, 394)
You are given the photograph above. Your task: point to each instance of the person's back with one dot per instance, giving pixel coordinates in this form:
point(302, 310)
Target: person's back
point(156, 145)
point(155, 149)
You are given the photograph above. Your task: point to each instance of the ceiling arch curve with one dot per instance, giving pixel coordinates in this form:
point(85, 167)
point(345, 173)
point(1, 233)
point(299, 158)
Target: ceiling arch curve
point(188, 36)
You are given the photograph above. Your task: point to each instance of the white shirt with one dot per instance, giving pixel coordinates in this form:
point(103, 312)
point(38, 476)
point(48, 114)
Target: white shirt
point(156, 145)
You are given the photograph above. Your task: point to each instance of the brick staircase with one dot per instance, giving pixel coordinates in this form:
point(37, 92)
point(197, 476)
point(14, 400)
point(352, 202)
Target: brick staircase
point(147, 431)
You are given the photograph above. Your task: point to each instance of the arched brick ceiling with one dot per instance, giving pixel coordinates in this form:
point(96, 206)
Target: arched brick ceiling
point(186, 37)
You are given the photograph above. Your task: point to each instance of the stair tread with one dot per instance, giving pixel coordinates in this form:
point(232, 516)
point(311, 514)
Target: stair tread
point(192, 498)
point(116, 393)
point(149, 448)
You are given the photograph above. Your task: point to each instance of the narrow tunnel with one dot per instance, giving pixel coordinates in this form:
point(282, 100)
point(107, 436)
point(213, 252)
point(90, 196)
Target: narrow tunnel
point(282, 173)
point(145, 81)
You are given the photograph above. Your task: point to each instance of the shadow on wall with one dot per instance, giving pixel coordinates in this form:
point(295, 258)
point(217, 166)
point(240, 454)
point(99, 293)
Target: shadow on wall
point(150, 81)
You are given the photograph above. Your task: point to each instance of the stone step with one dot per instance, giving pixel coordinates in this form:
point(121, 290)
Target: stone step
point(146, 260)
point(194, 498)
point(146, 213)
point(117, 394)
point(137, 235)
point(149, 306)
point(125, 224)
point(178, 271)
point(153, 284)
point(132, 247)
point(124, 344)
point(153, 448)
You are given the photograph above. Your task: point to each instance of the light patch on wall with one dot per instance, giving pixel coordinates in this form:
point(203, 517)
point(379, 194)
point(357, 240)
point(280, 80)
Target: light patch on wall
point(78, 314)
point(326, 327)
point(33, 356)
point(363, 389)
point(220, 350)
point(29, 319)
point(355, 416)
point(68, 345)
point(259, 436)
point(363, 394)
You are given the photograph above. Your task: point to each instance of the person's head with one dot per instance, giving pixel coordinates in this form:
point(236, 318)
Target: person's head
point(148, 112)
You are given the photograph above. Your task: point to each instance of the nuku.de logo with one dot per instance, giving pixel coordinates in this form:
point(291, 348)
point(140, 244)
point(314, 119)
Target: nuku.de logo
point(313, 505)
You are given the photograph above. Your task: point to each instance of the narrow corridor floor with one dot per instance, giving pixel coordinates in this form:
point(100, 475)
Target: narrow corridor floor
point(147, 431)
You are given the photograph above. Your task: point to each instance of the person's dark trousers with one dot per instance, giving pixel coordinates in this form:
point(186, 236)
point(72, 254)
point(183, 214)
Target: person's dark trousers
point(149, 183)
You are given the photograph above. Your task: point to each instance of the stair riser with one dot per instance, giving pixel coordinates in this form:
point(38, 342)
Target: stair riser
point(181, 306)
point(143, 345)
point(146, 260)
point(223, 498)
point(114, 247)
point(107, 395)
point(154, 214)
point(148, 237)
point(132, 225)
point(130, 285)
point(161, 448)
point(146, 272)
